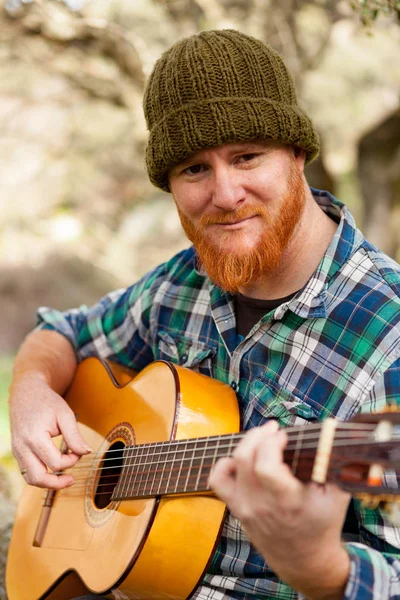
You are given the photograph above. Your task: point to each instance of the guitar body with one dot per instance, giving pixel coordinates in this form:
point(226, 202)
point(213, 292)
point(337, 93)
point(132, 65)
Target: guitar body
point(154, 548)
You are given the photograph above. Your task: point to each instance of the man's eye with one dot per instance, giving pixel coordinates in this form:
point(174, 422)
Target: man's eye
point(194, 169)
point(246, 157)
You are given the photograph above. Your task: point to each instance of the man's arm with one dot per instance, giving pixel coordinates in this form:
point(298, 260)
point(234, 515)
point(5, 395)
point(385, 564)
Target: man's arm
point(43, 370)
point(45, 367)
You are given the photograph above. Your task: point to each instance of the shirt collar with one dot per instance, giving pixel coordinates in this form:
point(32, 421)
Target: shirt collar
point(310, 302)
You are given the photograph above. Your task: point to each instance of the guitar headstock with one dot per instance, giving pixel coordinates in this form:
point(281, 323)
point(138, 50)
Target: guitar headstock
point(362, 455)
point(390, 413)
point(365, 460)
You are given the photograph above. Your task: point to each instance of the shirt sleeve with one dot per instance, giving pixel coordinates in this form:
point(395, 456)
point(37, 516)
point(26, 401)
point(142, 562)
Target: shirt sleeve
point(117, 327)
point(375, 562)
point(373, 575)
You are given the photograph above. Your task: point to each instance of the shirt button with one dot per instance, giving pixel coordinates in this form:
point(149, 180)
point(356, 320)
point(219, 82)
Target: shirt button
point(233, 385)
point(184, 358)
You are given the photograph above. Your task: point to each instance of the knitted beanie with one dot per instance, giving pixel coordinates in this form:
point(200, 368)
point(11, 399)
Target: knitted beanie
point(218, 87)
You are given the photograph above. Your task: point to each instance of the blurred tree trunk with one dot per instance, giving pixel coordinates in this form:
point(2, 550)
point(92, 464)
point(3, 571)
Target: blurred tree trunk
point(379, 173)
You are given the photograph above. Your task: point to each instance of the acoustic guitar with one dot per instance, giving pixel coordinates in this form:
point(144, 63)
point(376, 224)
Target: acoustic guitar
point(140, 521)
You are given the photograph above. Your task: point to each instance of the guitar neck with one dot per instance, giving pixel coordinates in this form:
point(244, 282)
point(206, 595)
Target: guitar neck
point(184, 466)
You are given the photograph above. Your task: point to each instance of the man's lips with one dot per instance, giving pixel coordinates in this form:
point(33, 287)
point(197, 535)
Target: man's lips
point(234, 224)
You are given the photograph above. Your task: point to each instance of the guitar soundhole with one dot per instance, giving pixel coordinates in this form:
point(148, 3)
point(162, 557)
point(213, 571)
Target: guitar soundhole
point(111, 467)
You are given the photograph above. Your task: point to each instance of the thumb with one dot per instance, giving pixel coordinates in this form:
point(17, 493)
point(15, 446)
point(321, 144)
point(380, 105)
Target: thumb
point(71, 434)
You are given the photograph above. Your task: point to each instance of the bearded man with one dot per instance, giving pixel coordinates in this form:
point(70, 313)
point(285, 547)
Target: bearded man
point(280, 296)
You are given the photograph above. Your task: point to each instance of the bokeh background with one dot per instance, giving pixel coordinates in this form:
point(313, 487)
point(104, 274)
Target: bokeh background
point(77, 214)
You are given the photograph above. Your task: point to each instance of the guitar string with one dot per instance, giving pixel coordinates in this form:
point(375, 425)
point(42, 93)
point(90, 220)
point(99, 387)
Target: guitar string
point(291, 431)
point(195, 449)
point(143, 447)
point(192, 455)
point(140, 491)
point(183, 471)
point(68, 493)
point(199, 440)
point(193, 441)
point(156, 464)
point(79, 481)
point(194, 473)
point(82, 481)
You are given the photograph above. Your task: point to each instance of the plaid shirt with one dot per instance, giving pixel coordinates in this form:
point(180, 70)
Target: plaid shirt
point(331, 350)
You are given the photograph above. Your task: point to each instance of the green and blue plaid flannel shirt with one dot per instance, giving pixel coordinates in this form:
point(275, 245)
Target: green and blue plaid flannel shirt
point(331, 350)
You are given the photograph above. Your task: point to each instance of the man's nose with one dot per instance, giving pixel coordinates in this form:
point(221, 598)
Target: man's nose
point(227, 190)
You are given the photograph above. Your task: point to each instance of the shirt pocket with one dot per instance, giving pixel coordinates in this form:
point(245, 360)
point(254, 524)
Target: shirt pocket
point(191, 353)
point(270, 400)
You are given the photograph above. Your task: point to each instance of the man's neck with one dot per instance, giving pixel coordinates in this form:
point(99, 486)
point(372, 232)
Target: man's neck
point(309, 243)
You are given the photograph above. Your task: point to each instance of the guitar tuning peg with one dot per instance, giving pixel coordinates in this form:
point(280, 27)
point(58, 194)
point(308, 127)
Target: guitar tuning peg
point(390, 407)
point(369, 501)
point(389, 503)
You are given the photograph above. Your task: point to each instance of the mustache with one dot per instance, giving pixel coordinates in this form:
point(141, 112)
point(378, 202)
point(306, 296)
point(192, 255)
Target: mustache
point(234, 216)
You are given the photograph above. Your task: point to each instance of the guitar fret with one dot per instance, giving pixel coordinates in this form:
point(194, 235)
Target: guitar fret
point(204, 470)
point(215, 457)
point(127, 471)
point(148, 467)
point(201, 466)
point(155, 473)
point(131, 482)
point(232, 445)
point(162, 473)
point(190, 466)
point(297, 451)
point(142, 470)
point(181, 486)
point(186, 470)
point(173, 475)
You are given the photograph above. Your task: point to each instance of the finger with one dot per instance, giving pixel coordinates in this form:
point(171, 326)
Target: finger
point(37, 475)
point(68, 460)
point(222, 479)
point(269, 466)
point(338, 491)
point(244, 452)
point(339, 498)
point(51, 456)
point(71, 434)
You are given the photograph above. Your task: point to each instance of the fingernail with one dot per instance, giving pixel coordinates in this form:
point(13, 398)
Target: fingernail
point(87, 448)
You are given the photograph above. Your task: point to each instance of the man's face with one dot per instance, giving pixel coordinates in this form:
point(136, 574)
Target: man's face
point(239, 204)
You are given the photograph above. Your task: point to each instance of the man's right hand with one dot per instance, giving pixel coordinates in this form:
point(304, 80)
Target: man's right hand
point(37, 415)
point(43, 370)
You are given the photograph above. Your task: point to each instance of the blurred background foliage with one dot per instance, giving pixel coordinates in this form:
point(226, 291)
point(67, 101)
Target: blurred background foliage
point(77, 214)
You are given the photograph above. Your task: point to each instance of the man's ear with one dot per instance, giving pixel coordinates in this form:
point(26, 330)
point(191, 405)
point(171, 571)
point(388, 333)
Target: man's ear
point(300, 157)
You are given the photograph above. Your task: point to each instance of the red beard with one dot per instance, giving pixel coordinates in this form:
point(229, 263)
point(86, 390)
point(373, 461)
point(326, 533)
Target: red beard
point(234, 270)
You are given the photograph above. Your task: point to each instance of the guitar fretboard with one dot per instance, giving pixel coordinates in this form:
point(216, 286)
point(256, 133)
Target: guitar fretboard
point(184, 466)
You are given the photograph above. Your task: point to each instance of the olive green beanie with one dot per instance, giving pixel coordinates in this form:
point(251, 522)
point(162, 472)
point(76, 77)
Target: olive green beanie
point(217, 87)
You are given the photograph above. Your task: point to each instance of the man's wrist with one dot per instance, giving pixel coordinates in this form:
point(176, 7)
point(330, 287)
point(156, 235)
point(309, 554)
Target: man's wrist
point(23, 376)
point(325, 578)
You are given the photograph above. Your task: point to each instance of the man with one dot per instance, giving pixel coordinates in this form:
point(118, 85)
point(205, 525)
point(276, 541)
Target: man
point(281, 297)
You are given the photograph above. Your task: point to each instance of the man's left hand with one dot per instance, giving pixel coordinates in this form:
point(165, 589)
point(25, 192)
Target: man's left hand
point(296, 526)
